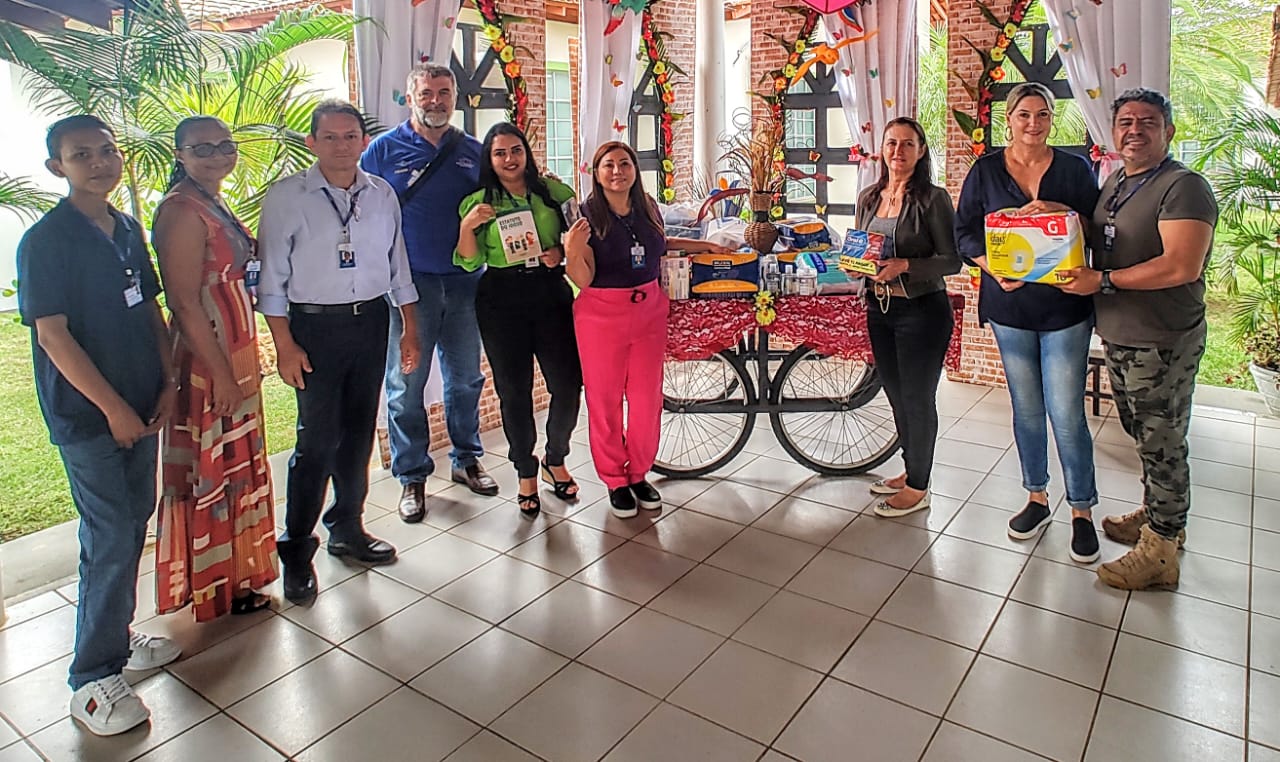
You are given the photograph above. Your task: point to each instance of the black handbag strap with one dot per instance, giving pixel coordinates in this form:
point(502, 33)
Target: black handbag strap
point(446, 148)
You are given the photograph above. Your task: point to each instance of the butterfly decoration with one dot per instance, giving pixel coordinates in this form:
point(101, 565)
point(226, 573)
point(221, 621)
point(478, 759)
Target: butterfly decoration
point(820, 208)
point(847, 72)
point(399, 98)
point(1066, 45)
point(1096, 2)
point(448, 23)
point(866, 126)
point(814, 156)
point(474, 100)
point(619, 8)
point(1121, 70)
point(608, 59)
point(613, 80)
point(584, 168)
point(874, 72)
point(1073, 14)
point(888, 102)
point(837, 35)
point(619, 127)
point(1093, 93)
point(827, 54)
point(636, 108)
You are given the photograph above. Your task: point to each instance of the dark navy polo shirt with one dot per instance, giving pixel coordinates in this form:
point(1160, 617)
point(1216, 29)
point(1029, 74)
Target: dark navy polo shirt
point(430, 220)
point(67, 266)
point(989, 188)
point(613, 252)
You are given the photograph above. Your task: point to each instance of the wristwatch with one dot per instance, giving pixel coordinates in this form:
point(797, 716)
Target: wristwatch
point(1108, 287)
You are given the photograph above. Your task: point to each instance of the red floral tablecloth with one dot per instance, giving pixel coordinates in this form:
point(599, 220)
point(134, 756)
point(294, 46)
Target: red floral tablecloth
point(831, 325)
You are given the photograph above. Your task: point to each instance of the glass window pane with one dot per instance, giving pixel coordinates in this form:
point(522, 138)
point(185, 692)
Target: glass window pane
point(838, 135)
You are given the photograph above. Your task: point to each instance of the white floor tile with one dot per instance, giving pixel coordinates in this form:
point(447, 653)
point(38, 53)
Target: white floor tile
point(840, 718)
point(404, 725)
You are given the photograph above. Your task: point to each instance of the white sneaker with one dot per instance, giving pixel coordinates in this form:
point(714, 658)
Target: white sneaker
point(150, 652)
point(108, 706)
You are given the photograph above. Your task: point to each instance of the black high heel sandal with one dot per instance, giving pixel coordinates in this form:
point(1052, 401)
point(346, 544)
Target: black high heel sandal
point(560, 488)
point(530, 505)
point(248, 604)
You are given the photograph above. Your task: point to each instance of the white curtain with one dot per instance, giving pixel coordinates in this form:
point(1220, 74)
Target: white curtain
point(1107, 48)
point(403, 34)
point(876, 78)
point(606, 79)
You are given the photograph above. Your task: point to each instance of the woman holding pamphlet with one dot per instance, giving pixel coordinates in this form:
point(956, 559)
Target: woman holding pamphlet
point(524, 305)
point(909, 220)
point(1043, 333)
point(615, 255)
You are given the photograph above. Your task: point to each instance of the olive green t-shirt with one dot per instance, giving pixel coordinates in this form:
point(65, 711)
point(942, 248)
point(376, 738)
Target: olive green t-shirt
point(1150, 318)
point(545, 219)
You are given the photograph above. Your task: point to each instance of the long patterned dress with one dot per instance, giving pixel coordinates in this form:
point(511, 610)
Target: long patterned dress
point(216, 535)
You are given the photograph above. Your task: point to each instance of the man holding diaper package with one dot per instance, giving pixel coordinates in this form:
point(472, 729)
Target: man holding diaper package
point(1152, 235)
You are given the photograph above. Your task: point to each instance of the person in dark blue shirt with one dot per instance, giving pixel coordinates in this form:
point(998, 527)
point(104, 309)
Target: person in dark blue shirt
point(432, 166)
point(87, 289)
point(1043, 333)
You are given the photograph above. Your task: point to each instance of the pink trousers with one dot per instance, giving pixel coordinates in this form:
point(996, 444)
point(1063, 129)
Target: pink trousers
point(622, 338)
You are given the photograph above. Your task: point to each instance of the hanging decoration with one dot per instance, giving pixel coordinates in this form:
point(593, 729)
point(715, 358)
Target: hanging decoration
point(779, 80)
point(654, 48)
point(978, 125)
point(518, 94)
point(618, 9)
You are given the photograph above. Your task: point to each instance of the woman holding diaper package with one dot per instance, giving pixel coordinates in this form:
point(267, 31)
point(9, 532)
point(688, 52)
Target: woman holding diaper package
point(614, 255)
point(1043, 333)
point(908, 314)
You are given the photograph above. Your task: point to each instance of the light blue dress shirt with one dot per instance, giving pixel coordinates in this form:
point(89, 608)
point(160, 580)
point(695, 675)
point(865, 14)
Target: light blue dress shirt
point(298, 238)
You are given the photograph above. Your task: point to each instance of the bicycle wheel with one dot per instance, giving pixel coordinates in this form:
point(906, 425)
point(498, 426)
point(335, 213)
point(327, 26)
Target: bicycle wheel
point(706, 414)
point(834, 416)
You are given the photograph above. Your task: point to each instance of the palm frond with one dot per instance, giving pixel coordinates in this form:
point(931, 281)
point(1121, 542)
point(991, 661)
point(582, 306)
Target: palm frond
point(24, 198)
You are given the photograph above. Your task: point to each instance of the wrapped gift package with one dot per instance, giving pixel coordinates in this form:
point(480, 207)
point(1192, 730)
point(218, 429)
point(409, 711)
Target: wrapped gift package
point(1038, 248)
point(724, 276)
point(803, 234)
point(674, 276)
point(831, 279)
point(862, 252)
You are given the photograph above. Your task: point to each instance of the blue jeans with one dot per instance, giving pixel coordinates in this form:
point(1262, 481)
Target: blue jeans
point(1046, 373)
point(114, 490)
point(446, 312)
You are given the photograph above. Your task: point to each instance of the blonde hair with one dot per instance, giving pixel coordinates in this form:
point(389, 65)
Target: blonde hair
point(1027, 89)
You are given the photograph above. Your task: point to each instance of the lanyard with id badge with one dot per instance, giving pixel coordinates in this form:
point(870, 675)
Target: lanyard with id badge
point(637, 248)
point(1115, 203)
point(346, 250)
point(132, 291)
point(252, 265)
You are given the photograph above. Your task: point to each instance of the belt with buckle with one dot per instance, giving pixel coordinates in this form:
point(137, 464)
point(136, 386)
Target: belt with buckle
point(350, 308)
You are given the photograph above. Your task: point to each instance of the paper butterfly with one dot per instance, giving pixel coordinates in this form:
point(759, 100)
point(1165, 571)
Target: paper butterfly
point(608, 58)
point(448, 23)
point(1093, 93)
point(636, 108)
point(814, 156)
point(874, 73)
point(474, 100)
point(613, 78)
point(1121, 70)
point(1066, 46)
point(619, 127)
point(847, 72)
point(866, 126)
point(836, 35)
point(888, 102)
point(820, 208)
point(398, 97)
point(1073, 14)
point(1096, 2)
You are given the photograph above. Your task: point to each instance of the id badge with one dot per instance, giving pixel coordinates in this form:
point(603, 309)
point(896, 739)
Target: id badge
point(532, 262)
point(346, 256)
point(1109, 236)
point(251, 270)
point(133, 294)
point(637, 257)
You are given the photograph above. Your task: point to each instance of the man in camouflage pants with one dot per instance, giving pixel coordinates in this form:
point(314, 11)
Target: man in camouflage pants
point(1152, 233)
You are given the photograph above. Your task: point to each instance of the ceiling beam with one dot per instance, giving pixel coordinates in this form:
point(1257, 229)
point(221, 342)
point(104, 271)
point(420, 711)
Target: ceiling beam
point(88, 11)
point(29, 17)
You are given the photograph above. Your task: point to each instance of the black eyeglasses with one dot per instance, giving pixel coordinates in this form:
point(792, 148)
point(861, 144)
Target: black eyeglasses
point(205, 150)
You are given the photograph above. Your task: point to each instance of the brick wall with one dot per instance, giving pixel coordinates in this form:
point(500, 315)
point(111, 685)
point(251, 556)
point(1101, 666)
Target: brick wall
point(677, 17)
point(581, 181)
point(529, 37)
point(766, 54)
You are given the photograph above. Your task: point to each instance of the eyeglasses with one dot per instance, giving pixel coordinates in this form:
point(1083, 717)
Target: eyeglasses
point(205, 150)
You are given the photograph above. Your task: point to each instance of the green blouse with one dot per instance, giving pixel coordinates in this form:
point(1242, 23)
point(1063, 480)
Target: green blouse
point(545, 219)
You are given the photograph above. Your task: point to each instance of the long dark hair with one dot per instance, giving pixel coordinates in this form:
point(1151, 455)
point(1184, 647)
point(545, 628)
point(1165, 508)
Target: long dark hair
point(920, 184)
point(492, 186)
point(179, 172)
point(596, 207)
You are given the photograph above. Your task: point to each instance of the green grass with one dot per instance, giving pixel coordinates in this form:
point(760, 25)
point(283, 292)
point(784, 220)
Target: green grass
point(1224, 363)
point(33, 486)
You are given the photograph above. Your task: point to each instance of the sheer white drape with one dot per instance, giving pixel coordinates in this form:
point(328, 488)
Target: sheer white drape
point(606, 79)
point(1107, 48)
point(403, 35)
point(877, 77)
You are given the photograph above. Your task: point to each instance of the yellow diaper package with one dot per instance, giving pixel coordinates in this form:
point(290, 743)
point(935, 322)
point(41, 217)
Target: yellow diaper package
point(1038, 248)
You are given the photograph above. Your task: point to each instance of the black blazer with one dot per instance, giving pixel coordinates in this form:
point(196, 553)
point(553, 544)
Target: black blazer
point(925, 234)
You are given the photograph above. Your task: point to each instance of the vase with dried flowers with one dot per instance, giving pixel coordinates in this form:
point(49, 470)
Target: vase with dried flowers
point(756, 155)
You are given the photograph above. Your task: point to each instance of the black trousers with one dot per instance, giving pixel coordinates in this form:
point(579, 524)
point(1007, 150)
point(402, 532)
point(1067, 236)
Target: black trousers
point(526, 313)
point(909, 342)
point(337, 413)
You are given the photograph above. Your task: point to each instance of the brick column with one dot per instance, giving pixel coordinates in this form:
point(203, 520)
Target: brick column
point(530, 38)
point(580, 180)
point(767, 54)
point(677, 17)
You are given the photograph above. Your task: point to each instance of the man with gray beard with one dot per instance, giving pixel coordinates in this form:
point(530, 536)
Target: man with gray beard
point(432, 166)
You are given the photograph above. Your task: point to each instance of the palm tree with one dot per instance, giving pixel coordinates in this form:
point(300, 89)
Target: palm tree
point(154, 68)
point(24, 198)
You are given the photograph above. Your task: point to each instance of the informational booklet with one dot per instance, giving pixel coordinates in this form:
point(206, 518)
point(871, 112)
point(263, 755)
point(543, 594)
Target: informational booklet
point(520, 237)
point(572, 212)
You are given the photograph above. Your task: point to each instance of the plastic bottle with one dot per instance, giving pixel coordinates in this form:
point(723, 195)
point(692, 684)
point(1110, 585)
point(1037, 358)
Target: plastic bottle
point(806, 280)
point(770, 275)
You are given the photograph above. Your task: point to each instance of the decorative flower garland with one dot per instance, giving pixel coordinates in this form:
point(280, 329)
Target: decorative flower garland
point(656, 51)
point(518, 94)
point(781, 81)
point(992, 71)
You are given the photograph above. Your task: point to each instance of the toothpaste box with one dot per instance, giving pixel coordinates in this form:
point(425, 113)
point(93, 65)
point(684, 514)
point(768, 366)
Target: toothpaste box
point(1038, 248)
point(862, 252)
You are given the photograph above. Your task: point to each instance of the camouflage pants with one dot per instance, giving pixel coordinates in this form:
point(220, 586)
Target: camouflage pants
point(1152, 389)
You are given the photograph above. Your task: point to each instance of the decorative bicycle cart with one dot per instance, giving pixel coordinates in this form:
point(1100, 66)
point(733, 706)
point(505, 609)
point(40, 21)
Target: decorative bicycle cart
point(819, 387)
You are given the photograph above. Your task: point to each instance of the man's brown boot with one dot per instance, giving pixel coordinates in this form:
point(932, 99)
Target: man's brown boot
point(1126, 528)
point(1152, 563)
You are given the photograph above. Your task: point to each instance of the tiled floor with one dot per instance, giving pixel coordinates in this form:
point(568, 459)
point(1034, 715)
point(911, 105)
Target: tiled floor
point(764, 614)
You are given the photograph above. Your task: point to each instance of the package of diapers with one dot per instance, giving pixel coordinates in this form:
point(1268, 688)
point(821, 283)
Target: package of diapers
point(1038, 248)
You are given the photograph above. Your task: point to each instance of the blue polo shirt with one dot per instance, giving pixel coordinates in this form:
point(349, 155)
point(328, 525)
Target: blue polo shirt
point(431, 217)
point(67, 266)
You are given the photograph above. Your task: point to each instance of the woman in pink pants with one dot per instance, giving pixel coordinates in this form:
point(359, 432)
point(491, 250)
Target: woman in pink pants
point(620, 318)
